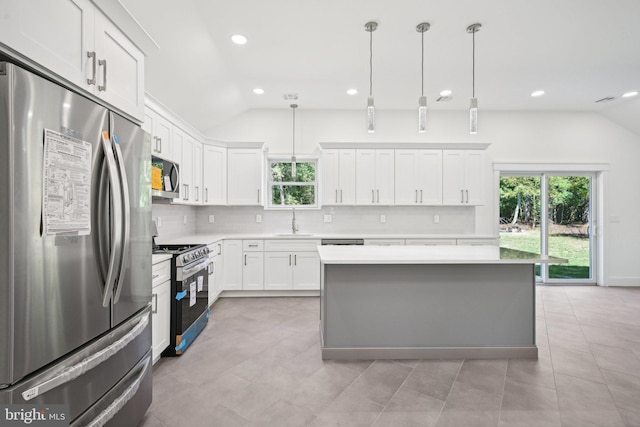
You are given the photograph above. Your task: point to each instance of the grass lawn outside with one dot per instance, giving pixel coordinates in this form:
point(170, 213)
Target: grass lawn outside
point(574, 248)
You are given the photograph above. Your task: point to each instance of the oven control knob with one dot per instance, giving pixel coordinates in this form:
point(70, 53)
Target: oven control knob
point(185, 258)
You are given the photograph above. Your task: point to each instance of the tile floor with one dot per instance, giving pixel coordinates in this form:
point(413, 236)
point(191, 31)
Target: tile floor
point(258, 363)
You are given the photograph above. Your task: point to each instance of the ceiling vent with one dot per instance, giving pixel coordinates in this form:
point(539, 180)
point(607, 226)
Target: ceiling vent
point(290, 96)
point(606, 99)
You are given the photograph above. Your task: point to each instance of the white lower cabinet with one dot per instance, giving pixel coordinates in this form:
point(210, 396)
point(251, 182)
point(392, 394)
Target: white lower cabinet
point(215, 267)
point(161, 308)
point(291, 265)
point(232, 265)
point(253, 271)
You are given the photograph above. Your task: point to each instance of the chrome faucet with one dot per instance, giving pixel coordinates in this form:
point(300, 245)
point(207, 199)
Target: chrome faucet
point(294, 226)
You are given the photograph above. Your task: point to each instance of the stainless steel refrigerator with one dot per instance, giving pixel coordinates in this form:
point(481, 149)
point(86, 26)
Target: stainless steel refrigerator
point(75, 253)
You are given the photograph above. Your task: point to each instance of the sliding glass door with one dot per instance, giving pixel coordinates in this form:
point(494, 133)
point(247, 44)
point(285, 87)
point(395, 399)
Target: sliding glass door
point(550, 214)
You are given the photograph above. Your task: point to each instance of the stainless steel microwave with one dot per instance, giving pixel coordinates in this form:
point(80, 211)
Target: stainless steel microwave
point(165, 178)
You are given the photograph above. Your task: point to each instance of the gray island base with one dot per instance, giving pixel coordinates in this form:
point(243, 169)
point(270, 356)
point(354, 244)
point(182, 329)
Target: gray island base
point(444, 302)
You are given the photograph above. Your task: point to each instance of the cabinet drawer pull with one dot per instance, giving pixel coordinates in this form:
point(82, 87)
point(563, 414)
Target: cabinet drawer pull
point(103, 88)
point(92, 80)
point(155, 276)
point(255, 245)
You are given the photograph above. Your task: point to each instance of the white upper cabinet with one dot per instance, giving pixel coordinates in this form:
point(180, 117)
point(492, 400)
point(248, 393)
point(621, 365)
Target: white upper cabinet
point(418, 177)
point(244, 176)
point(214, 175)
point(161, 131)
point(375, 176)
point(339, 177)
point(463, 177)
point(197, 172)
point(120, 79)
point(73, 39)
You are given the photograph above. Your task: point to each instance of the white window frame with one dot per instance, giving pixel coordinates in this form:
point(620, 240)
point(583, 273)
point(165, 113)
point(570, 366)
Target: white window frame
point(269, 183)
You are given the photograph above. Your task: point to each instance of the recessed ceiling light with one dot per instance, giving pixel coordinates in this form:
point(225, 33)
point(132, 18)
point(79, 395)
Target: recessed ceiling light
point(537, 93)
point(352, 91)
point(258, 91)
point(630, 94)
point(238, 39)
point(446, 93)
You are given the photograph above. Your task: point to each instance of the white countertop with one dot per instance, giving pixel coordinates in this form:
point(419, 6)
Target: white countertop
point(205, 238)
point(158, 258)
point(445, 254)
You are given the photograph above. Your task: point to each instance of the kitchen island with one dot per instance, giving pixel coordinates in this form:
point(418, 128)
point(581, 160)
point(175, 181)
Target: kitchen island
point(428, 302)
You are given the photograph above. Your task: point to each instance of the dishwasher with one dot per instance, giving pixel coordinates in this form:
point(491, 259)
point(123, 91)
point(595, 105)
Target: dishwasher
point(343, 242)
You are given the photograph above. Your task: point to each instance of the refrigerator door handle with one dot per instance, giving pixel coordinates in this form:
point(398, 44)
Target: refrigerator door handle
point(74, 371)
point(116, 244)
point(119, 402)
point(126, 214)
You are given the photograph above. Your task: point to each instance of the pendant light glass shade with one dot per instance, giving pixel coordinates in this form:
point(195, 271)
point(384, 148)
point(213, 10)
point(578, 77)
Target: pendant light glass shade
point(293, 144)
point(422, 101)
point(422, 114)
point(473, 106)
point(370, 27)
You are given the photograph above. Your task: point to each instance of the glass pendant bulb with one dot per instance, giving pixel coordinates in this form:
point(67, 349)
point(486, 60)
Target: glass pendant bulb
point(422, 114)
point(370, 115)
point(473, 116)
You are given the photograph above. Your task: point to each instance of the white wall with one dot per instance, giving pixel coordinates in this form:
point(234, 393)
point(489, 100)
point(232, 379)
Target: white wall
point(545, 137)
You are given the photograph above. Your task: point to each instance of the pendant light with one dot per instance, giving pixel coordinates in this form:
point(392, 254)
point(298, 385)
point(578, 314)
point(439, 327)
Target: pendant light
point(293, 144)
point(422, 101)
point(473, 106)
point(370, 27)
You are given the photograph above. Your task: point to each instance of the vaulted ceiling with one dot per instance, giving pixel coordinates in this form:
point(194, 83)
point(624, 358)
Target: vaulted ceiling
point(577, 51)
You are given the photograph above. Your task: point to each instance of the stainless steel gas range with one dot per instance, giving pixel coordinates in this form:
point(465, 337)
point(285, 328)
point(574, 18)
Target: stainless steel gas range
point(189, 294)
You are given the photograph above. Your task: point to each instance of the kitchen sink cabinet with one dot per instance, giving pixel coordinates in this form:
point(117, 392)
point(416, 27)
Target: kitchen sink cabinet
point(418, 177)
point(245, 176)
point(375, 176)
point(291, 265)
point(74, 40)
point(463, 177)
point(339, 177)
point(161, 307)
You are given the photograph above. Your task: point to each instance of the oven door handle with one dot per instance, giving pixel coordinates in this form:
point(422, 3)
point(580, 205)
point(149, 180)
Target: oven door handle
point(191, 270)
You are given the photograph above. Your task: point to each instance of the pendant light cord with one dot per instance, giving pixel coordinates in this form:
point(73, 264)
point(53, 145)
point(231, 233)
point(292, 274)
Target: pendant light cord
point(294, 133)
point(473, 65)
point(371, 63)
point(422, 66)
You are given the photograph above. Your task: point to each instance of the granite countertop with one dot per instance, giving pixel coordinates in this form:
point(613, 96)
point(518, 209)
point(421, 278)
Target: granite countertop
point(444, 254)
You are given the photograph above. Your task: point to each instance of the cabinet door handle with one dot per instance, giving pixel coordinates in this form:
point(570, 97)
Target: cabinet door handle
point(206, 195)
point(378, 195)
point(373, 197)
point(289, 259)
point(103, 88)
point(258, 195)
point(295, 259)
point(197, 193)
point(467, 196)
point(92, 80)
point(461, 196)
point(245, 259)
point(336, 195)
point(416, 196)
point(155, 276)
point(420, 196)
point(341, 195)
point(159, 145)
point(155, 304)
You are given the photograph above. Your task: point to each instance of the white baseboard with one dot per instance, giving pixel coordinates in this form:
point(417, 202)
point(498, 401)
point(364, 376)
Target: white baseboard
point(622, 281)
